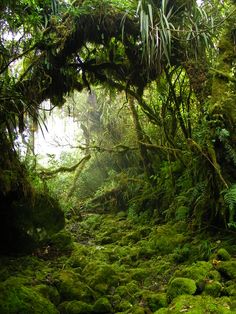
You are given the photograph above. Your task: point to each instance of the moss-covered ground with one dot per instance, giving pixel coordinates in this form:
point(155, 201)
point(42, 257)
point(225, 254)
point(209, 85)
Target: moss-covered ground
point(107, 263)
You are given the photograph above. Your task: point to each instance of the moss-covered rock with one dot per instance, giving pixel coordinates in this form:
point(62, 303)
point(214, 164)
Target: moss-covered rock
point(230, 288)
point(198, 271)
point(155, 301)
point(48, 292)
point(223, 255)
point(197, 305)
point(227, 269)
point(62, 242)
point(75, 307)
point(213, 288)
point(98, 273)
point(71, 286)
point(179, 286)
point(102, 305)
point(16, 297)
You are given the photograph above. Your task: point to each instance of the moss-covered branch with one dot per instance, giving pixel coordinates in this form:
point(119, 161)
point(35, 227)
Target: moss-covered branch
point(49, 173)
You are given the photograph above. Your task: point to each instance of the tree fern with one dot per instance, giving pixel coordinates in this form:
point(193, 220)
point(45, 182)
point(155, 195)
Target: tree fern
point(230, 201)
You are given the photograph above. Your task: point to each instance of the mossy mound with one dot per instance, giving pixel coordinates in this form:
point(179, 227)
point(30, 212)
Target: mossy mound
point(227, 269)
point(62, 242)
point(16, 297)
point(48, 292)
point(213, 288)
point(134, 274)
point(102, 305)
point(198, 271)
point(223, 255)
point(179, 286)
point(197, 305)
point(75, 307)
point(71, 286)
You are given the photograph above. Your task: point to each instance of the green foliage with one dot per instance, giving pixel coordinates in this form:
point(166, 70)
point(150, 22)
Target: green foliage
point(230, 200)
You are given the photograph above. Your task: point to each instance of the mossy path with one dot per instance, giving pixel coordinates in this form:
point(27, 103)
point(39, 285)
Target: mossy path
point(116, 265)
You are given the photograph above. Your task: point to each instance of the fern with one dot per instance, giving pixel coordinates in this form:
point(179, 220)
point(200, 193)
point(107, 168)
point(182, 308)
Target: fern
point(230, 201)
point(230, 153)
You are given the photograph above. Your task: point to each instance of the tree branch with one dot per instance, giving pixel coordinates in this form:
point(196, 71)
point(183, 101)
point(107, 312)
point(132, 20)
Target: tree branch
point(48, 173)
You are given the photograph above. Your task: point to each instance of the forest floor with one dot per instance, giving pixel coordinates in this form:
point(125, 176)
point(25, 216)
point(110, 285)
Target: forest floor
point(108, 263)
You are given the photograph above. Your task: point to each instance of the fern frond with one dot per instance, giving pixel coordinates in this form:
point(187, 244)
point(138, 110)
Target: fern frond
point(230, 201)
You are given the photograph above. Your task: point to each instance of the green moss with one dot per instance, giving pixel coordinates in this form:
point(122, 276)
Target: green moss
point(101, 273)
point(230, 288)
point(102, 305)
point(223, 255)
point(139, 274)
point(75, 307)
point(79, 256)
point(125, 305)
point(199, 272)
point(16, 297)
point(197, 305)
point(138, 310)
point(179, 286)
point(156, 301)
point(227, 269)
point(62, 241)
point(213, 288)
point(71, 286)
point(165, 239)
point(49, 292)
point(214, 275)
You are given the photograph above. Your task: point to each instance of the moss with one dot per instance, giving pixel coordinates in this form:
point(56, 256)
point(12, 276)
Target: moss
point(153, 300)
point(75, 307)
point(138, 310)
point(49, 292)
point(230, 288)
point(79, 256)
point(198, 304)
point(71, 286)
point(62, 241)
point(125, 305)
point(98, 273)
point(165, 239)
point(223, 255)
point(102, 305)
point(179, 286)
point(139, 274)
point(213, 288)
point(16, 297)
point(227, 269)
point(199, 272)
point(214, 275)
